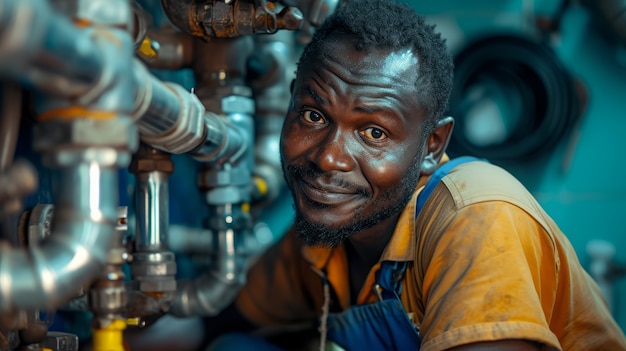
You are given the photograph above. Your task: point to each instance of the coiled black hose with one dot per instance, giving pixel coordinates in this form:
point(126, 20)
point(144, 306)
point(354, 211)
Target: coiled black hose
point(528, 88)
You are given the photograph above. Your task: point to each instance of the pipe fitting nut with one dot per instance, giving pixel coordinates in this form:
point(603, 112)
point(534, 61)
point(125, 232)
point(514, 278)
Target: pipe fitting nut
point(151, 165)
point(188, 132)
point(55, 135)
point(153, 264)
point(108, 300)
point(157, 284)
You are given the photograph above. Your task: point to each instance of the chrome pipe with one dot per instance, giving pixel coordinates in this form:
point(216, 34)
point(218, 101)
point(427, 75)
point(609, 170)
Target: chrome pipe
point(173, 120)
point(186, 240)
point(43, 49)
point(153, 265)
point(168, 117)
point(212, 292)
point(83, 229)
point(152, 211)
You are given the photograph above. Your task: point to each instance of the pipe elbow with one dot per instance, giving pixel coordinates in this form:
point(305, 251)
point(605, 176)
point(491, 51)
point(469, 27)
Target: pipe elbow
point(49, 275)
point(205, 296)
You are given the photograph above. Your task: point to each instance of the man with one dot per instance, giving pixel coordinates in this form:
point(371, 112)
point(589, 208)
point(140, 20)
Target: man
point(479, 266)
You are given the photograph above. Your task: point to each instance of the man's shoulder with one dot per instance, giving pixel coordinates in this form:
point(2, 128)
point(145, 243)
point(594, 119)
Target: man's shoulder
point(482, 181)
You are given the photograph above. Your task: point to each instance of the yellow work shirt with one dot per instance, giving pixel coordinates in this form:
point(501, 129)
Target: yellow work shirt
point(485, 263)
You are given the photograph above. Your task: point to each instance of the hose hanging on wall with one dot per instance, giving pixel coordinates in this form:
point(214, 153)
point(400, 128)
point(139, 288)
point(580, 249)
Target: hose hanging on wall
point(610, 15)
point(512, 99)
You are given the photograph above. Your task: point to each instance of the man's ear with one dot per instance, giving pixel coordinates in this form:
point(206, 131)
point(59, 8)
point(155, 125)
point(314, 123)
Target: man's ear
point(436, 145)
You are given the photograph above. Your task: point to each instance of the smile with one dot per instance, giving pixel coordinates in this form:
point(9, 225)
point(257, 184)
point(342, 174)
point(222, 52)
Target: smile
point(327, 195)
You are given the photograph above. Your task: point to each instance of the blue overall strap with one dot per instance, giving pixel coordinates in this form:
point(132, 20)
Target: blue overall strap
point(389, 278)
point(439, 173)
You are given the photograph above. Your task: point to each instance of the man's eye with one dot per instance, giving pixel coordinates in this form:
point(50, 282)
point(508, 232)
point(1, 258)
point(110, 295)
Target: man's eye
point(313, 117)
point(374, 133)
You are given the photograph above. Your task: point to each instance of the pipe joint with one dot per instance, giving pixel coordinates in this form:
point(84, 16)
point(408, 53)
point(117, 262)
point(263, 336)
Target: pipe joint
point(169, 118)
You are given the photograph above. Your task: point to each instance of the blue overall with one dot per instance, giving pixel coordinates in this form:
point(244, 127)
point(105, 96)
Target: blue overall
point(384, 325)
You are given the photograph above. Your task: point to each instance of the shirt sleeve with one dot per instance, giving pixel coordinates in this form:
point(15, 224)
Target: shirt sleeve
point(491, 274)
point(282, 290)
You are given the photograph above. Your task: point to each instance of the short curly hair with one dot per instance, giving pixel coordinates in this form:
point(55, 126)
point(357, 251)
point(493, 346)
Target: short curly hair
point(389, 24)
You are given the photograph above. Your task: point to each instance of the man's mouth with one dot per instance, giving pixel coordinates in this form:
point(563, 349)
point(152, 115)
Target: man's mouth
point(327, 194)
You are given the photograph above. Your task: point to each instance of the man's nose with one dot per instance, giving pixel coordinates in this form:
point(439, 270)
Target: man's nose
point(334, 153)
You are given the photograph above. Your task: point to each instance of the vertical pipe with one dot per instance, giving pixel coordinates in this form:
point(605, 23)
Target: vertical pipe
point(152, 199)
point(11, 102)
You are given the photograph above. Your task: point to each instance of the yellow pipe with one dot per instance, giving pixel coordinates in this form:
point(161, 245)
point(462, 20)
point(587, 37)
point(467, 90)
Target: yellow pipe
point(110, 337)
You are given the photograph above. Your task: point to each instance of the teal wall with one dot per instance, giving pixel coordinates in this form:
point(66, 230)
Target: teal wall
point(588, 199)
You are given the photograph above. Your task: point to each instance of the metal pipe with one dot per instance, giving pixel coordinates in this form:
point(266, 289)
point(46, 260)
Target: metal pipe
point(153, 266)
point(173, 120)
point(43, 49)
point(85, 135)
point(179, 12)
point(210, 293)
point(11, 98)
point(188, 240)
point(273, 66)
point(151, 210)
point(234, 247)
point(227, 19)
point(83, 229)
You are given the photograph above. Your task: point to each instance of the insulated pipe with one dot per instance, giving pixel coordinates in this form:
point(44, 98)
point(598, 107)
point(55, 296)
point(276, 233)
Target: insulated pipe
point(82, 233)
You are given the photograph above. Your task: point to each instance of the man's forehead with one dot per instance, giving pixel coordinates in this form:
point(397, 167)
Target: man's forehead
point(400, 60)
point(390, 59)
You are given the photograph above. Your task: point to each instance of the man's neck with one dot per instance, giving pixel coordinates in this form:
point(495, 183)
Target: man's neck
point(364, 250)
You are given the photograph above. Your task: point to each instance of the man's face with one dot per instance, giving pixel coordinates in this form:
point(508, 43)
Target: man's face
point(351, 141)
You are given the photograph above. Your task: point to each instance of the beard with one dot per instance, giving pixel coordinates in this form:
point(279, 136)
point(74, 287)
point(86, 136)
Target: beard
point(389, 203)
